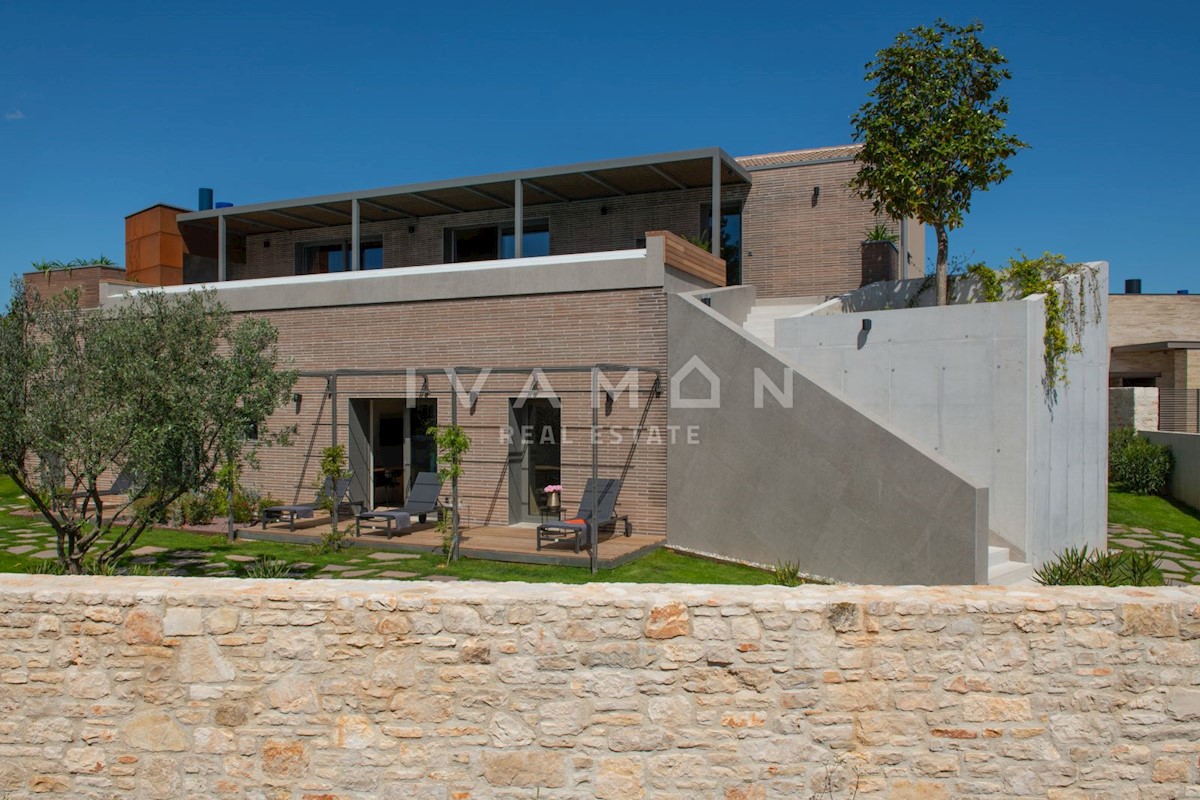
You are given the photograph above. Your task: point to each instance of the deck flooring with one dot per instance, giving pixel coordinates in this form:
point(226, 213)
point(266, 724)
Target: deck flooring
point(515, 543)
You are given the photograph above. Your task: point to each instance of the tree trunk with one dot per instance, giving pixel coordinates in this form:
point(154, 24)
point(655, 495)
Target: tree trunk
point(943, 255)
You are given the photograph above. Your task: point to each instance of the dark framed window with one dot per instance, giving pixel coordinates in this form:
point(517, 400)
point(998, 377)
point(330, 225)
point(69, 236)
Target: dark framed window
point(731, 238)
point(495, 241)
point(319, 258)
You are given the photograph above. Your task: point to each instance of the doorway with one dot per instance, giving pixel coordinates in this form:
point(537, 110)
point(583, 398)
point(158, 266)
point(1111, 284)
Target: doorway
point(389, 446)
point(534, 456)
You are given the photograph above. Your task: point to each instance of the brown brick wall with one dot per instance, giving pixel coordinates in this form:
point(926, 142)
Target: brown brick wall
point(792, 246)
point(86, 279)
point(625, 327)
point(1142, 318)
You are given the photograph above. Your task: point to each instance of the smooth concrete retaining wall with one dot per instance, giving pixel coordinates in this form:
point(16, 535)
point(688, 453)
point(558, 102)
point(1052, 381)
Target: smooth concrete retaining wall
point(967, 382)
point(819, 482)
point(1185, 478)
point(132, 688)
point(1133, 407)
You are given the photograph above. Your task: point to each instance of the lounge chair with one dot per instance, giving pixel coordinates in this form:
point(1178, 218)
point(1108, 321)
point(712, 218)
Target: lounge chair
point(576, 528)
point(306, 510)
point(422, 501)
point(120, 486)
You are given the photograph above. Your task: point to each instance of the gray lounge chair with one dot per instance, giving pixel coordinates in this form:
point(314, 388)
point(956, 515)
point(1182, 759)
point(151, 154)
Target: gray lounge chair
point(576, 528)
point(423, 500)
point(306, 510)
point(120, 486)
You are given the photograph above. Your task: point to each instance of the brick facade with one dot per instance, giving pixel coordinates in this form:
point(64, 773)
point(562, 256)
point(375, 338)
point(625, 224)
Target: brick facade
point(1146, 318)
point(620, 327)
point(86, 279)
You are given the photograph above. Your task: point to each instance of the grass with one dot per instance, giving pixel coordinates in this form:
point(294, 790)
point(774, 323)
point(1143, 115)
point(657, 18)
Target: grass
point(661, 566)
point(1173, 530)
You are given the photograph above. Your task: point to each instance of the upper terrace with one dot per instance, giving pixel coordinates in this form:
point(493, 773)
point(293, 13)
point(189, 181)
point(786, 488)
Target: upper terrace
point(581, 208)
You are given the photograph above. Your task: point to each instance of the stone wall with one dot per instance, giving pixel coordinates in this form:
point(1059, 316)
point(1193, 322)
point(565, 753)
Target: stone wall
point(323, 690)
point(1133, 407)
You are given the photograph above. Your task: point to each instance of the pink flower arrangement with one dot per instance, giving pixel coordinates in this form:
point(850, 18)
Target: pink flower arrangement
point(554, 487)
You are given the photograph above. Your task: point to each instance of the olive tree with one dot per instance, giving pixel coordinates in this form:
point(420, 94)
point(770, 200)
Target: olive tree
point(162, 389)
point(933, 130)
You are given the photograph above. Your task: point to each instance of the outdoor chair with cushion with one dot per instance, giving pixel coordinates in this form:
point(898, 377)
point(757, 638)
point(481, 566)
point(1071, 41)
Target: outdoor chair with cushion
point(328, 492)
point(422, 501)
point(120, 486)
point(575, 529)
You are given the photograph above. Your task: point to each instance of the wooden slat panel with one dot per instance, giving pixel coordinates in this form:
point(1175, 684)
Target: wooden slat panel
point(687, 257)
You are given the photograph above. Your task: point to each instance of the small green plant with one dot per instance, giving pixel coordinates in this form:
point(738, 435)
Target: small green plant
point(331, 541)
point(787, 573)
point(196, 508)
point(452, 445)
point(1084, 567)
point(881, 233)
point(46, 566)
point(700, 241)
point(1138, 465)
point(265, 567)
point(333, 468)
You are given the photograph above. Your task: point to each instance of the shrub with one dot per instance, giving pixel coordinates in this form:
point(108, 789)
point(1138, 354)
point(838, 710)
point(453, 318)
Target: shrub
point(787, 573)
point(1137, 465)
point(1084, 567)
point(245, 505)
point(196, 508)
point(265, 567)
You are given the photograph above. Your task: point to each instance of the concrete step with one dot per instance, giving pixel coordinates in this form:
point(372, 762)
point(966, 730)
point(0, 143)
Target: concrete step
point(761, 320)
point(997, 556)
point(1010, 573)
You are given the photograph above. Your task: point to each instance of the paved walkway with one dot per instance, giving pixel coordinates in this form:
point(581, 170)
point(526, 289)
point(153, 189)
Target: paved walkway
point(1180, 555)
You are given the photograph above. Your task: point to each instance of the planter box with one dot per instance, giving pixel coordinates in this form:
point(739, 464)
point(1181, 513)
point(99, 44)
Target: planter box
point(880, 262)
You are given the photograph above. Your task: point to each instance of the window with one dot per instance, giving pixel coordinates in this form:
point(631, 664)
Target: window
point(319, 259)
point(731, 239)
point(489, 242)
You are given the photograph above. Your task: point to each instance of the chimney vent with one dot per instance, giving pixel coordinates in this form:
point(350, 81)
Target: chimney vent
point(1133, 286)
point(1182, 291)
point(206, 199)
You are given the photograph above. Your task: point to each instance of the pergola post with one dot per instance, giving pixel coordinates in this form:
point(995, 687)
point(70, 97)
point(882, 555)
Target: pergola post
point(333, 438)
point(594, 532)
point(518, 219)
point(222, 246)
point(715, 235)
point(454, 478)
point(355, 238)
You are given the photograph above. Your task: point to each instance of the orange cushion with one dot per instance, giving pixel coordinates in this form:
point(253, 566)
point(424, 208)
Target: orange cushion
point(577, 521)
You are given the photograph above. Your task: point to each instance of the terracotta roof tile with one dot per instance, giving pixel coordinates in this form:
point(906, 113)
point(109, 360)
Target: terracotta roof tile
point(799, 156)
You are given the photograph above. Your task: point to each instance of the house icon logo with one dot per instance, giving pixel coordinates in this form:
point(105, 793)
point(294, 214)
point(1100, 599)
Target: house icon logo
point(697, 365)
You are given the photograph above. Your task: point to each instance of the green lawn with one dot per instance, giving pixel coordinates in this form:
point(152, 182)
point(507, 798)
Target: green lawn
point(201, 554)
point(1158, 523)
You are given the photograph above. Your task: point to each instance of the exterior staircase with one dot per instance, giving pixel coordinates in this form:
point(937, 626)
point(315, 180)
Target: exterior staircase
point(761, 321)
point(1004, 572)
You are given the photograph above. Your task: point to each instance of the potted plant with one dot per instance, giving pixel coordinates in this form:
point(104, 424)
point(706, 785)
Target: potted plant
point(880, 256)
point(553, 496)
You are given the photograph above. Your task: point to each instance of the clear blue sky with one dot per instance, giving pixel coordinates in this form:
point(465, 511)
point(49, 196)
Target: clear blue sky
point(106, 108)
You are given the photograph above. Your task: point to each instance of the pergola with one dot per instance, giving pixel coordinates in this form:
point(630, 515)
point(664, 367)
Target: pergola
point(456, 390)
point(516, 191)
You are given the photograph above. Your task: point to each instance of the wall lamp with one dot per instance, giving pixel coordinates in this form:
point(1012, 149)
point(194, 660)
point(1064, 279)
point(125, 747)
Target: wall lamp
point(866, 326)
point(296, 398)
point(603, 210)
point(816, 194)
point(474, 398)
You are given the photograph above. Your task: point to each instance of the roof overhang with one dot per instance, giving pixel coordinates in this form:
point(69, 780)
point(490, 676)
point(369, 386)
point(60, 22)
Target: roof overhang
point(596, 180)
point(1151, 346)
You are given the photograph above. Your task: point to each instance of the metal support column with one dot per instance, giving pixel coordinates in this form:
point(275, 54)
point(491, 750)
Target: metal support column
point(355, 239)
point(222, 246)
point(715, 224)
point(454, 479)
point(594, 532)
point(333, 436)
point(518, 219)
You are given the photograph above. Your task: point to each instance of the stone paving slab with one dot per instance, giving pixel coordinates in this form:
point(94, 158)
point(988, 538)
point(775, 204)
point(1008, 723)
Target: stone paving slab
point(241, 559)
point(45, 554)
point(335, 568)
point(440, 578)
point(396, 574)
point(148, 550)
point(21, 548)
point(384, 556)
point(356, 573)
point(1132, 544)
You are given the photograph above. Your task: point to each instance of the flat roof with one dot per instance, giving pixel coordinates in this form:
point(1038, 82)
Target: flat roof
point(1170, 345)
point(594, 180)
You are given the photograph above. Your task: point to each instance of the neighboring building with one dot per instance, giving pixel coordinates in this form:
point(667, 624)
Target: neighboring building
point(391, 301)
point(1154, 367)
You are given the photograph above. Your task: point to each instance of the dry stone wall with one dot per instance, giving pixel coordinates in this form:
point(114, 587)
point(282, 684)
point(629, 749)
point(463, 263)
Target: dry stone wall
point(323, 690)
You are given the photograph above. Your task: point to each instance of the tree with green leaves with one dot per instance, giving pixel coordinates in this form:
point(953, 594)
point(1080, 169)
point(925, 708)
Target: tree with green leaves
point(933, 132)
point(162, 389)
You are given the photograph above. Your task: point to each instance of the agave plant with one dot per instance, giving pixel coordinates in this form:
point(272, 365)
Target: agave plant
point(1084, 567)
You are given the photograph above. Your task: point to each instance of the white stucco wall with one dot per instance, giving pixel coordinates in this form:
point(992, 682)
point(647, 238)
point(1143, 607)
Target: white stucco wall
point(967, 381)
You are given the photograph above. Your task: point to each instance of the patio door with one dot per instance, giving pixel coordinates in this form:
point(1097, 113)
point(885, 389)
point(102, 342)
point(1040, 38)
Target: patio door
point(534, 456)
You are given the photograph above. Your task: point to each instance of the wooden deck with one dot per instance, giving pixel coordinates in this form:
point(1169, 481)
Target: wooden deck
point(517, 543)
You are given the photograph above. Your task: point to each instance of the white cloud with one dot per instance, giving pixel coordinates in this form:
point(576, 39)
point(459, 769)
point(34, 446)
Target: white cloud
point(15, 114)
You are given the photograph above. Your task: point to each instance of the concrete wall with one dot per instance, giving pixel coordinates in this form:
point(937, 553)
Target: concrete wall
point(967, 382)
point(819, 482)
point(136, 688)
point(1185, 478)
point(1133, 407)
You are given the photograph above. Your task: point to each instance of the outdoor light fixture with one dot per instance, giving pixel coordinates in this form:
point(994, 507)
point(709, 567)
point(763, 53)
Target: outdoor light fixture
point(816, 194)
point(266, 243)
point(707, 300)
point(866, 326)
point(412, 228)
point(296, 399)
point(474, 397)
point(425, 386)
point(603, 210)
